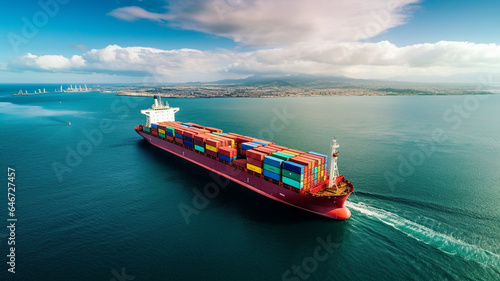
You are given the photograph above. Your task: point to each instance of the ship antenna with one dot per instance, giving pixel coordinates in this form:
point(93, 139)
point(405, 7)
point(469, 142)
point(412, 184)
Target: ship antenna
point(332, 164)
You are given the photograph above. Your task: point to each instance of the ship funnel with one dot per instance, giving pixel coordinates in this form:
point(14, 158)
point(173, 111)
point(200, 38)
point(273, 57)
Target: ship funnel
point(156, 101)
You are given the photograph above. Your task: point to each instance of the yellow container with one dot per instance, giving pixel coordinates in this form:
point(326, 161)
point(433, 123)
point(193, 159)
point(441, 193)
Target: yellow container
point(209, 147)
point(161, 131)
point(289, 152)
point(254, 168)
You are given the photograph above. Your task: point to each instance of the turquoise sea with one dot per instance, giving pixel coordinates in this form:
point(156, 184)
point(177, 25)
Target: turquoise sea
point(96, 202)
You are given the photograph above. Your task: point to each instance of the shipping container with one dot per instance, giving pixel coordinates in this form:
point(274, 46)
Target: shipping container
point(240, 163)
point(271, 168)
point(199, 148)
point(228, 151)
point(225, 158)
point(161, 135)
point(178, 136)
point(154, 126)
point(254, 162)
point(272, 175)
point(273, 161)
point(211, 148)
point(180, 141)
point(294, 167)
point(292, 175)
point(188, 144)
point(213, 143)
point(293, 183)
point(249, 145)
point(254, 168)
point(256, 155)
point(211, 153)
point(147, 129)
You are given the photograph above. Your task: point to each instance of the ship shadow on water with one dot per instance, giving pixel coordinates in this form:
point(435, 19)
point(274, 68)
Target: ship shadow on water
point(233, 196)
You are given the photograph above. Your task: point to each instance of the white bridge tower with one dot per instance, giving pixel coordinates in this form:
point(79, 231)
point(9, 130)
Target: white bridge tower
point(159, 112)
point(332, 164)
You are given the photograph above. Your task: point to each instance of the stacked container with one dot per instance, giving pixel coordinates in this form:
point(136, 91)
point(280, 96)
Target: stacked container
point(272, 167)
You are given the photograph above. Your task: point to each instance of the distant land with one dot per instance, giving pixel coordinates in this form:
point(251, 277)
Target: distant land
point(284, 86)
point(300, 85)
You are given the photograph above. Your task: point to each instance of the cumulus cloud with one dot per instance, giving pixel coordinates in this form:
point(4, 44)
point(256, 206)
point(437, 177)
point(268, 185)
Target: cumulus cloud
point(354, 59)
point(280, 22)
point(51, 62)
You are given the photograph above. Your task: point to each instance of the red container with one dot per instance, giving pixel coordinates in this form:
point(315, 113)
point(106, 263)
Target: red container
point(180, 141)
point(278, 147)
point(265, 149)
point(240, 163)
point(256, 155)
point(254, 162)
point(201, 137)
point(227, 151)
point(199, 143)
point(296, 151)
point(190, 134)
point(242, 139)
point(212, 130)
point(243, 152)
point(210, 152)
point(212, 142)
point(170, 138)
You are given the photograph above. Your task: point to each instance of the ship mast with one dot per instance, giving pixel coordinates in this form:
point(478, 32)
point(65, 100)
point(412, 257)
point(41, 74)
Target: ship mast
point(332, 164)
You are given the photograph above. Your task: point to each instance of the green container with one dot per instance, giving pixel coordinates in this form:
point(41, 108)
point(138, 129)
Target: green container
point(293, 183)
point(292, 175)
point(282, 156)
point(273, 169)
point(161, 135)
point(147, 129)
point(199, 148)
point(219, 134)
point(316, 169)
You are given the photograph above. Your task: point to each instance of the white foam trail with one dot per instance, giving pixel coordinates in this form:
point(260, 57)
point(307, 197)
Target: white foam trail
point(441, 241)
point(33, 110)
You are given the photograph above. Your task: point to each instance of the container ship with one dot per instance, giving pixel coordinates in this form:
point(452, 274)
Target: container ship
point(306, 180)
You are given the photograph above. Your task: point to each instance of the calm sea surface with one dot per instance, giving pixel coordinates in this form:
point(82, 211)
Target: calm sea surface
point(96, 202)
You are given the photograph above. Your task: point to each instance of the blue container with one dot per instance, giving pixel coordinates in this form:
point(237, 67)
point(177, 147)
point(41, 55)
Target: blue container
point(188, 139)
point(261, 143)
point(154, 126)
point(272, 175)
point(273, 161)
point(318, 154)
point(188, 144)
point(179, 136)
point(225, 158)
point(168, 133)
point(186, 125)
point(249, 145)
point(293, 167)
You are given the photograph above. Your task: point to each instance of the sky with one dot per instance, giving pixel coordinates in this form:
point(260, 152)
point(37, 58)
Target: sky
point(160, 41)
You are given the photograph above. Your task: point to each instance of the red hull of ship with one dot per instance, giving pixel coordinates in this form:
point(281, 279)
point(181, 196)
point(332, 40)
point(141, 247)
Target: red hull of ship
point(332, 207)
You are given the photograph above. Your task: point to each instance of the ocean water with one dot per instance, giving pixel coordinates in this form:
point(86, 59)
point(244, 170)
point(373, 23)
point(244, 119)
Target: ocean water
point(96, 202)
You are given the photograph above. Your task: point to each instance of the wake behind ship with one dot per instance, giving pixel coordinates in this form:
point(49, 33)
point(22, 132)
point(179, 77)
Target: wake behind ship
point(305, 180)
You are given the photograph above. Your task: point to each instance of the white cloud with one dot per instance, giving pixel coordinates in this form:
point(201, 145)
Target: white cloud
point(354, 59)
point(133, 13)
point(280, 22)
point(51, 62)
